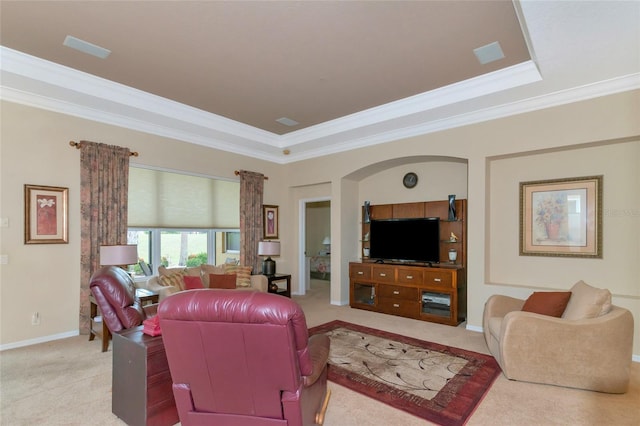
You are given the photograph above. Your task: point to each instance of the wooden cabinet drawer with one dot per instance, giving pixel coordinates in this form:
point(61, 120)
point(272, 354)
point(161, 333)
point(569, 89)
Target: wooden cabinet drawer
point(398, 292)
point(438, 279)
point(360, 271)
point(410, 276)
point(405, 308)
point(383, 274)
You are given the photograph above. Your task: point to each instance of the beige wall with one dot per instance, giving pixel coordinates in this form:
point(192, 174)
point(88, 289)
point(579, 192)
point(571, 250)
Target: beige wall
point(488, 155)
point(619, 267)
point(365, 174)
point(35, 150)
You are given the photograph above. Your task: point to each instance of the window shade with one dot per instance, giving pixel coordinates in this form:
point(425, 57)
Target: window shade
point(159, 199)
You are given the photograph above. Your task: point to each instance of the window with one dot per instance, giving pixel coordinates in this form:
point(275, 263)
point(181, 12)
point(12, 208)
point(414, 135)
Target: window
point(160, 199)
point(232, 242)
point(180, 219)
point(182, 247)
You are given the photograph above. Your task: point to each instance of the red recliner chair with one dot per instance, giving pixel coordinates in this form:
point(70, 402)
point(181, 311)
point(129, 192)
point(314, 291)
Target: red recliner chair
point(242, 358)
point(115, 295)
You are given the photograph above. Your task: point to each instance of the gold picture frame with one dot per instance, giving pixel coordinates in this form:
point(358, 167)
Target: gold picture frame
point(561, 217)
point(46, 214)
point(270, 222)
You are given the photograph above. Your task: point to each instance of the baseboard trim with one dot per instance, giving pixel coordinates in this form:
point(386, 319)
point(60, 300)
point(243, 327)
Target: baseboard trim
point(475, 328)
point(37, 340)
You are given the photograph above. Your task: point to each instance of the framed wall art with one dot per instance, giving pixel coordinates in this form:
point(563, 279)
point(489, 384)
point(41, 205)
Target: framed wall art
point(46, 214)
point(270, 220)
point(561, 217)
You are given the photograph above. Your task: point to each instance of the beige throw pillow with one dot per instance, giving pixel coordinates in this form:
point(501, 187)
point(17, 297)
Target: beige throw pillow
point(587, 302)
point(163, 270)
point(176, 279)
point(194, 271)
point(243, 274)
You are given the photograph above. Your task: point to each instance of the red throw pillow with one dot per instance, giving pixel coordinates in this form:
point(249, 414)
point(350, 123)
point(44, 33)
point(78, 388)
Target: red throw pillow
point(552, 303)
point(192, 283)
point(222, 281)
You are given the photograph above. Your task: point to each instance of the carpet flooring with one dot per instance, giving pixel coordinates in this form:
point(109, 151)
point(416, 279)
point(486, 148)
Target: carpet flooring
point(435, 382)
point(67, 382)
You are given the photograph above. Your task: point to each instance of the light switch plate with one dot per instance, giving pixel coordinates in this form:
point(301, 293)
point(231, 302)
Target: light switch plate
point(4, 259)
point(4, 222)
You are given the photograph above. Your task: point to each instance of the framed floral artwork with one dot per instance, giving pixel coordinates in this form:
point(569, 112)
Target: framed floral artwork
point(270, 220)
point(561, 217)
point(46, 214)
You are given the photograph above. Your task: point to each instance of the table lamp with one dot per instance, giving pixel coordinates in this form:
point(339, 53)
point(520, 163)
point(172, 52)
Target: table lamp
point(269, 248)
point(119, 255)
point(327, 244)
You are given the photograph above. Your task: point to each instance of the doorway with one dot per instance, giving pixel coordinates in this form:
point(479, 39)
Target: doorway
point(315, 241)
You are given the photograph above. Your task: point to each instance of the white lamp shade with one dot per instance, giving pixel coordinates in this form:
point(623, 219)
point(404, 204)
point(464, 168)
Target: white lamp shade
point(269, 248)
point(118, 255)
point(326, 241)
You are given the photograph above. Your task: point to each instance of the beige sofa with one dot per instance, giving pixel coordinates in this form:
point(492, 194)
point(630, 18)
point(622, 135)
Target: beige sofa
point(589, 347)
point(158, 285)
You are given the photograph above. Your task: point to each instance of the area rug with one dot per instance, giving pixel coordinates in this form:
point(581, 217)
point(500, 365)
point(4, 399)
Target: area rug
point(438, 383)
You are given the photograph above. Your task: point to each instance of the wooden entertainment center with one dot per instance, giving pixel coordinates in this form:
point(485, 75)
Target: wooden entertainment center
point(437, 292)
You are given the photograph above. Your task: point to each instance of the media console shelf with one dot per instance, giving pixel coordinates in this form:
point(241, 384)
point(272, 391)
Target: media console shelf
point(430, 294)
point(436, 294)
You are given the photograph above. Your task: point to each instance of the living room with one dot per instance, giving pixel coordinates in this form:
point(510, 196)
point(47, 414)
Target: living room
point(565, 141)
point(483, 162)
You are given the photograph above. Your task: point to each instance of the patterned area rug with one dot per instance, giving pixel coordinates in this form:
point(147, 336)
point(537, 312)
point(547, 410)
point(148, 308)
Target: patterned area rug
point(435, 382)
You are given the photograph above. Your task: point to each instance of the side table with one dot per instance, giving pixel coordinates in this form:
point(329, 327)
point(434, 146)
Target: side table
point(272, 282)
point(147, 296)
point(97, 328)
point(142, 386)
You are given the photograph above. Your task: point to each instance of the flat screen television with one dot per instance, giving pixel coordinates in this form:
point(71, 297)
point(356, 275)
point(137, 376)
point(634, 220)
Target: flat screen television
point(405, 240)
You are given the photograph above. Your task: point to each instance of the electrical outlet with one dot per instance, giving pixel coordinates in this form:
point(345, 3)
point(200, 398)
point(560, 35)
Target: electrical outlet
point(35, 318)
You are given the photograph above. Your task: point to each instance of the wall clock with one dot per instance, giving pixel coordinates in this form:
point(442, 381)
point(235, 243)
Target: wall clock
point(410, 180)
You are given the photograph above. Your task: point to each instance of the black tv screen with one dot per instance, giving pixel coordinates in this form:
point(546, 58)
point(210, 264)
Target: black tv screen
point(405, 240)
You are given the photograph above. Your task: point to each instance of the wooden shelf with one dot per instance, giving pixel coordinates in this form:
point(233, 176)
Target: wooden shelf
point(365, 278)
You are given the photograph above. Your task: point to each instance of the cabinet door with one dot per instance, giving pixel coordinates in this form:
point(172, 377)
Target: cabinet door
point(363, 294)
point(437, 304)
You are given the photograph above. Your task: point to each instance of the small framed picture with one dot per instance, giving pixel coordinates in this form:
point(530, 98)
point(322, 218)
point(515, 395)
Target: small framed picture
point(46, 214)
point(561, 217)
point(270, 220)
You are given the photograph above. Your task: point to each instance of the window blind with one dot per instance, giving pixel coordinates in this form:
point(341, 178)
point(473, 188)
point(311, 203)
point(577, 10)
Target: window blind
point(160, 199)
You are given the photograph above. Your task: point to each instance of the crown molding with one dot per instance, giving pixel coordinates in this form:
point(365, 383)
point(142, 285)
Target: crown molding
point(582, 93)
point(43, 84)
point(493, 82)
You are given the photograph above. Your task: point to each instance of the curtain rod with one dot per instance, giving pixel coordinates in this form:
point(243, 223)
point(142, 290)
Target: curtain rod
point(77, 145)
point(237, 173)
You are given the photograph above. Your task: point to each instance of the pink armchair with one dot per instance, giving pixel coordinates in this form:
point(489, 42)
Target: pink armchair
point(115, 295)
point(243, 358)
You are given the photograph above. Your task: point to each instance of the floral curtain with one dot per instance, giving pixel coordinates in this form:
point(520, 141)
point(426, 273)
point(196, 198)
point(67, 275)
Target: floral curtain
point(251, 190)
point(104, 182)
